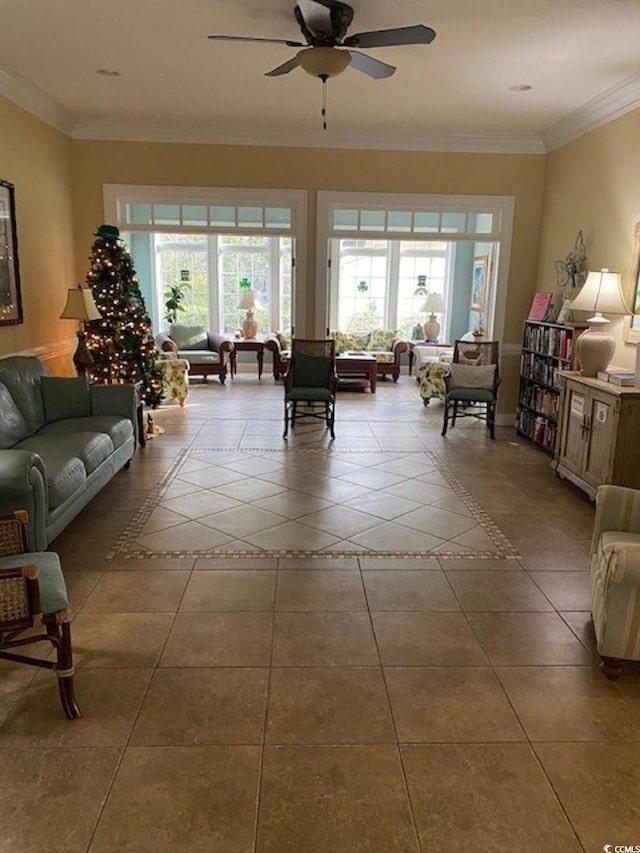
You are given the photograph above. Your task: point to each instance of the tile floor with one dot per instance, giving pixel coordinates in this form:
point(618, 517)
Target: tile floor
point(318, 690)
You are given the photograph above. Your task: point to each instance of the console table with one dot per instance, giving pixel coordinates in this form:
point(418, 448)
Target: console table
point(247, 345)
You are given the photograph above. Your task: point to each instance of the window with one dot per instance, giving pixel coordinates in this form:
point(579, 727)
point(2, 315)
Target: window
point(207, 240)
point(378, 283)
point(380, 255)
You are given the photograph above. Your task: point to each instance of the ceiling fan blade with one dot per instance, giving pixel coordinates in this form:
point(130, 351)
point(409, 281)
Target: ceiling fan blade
point(285, 68)
point(388, 38)
point(323, 22)
point(251, 38)
point(368, 65)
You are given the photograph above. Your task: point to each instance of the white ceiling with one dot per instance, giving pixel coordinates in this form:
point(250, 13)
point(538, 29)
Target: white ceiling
point(581, 58)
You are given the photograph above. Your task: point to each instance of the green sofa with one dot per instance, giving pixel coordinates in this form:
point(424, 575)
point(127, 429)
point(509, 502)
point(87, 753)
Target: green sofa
point(61, 441)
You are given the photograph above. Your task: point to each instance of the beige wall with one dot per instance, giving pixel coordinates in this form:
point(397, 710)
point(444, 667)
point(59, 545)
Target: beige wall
point(37, 160)
point(593, 184)
point(97, 163)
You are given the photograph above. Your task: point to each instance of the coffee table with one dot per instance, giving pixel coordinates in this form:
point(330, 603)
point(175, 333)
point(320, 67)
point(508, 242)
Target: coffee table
point(356, 370)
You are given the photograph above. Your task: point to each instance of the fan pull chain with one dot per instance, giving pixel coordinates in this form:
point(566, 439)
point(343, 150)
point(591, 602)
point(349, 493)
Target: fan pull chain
point(323, 111)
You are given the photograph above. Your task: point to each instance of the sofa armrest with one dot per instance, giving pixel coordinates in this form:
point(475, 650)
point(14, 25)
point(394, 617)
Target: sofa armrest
point(118, 400)
point(23, 485)
point(219, 343)
point(272, 343)
point(617, 508)
point(165, 344)
point(398, 347)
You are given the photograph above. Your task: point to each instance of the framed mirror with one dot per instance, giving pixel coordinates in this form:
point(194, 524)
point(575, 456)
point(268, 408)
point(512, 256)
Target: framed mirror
point(10, 297)
point(632, 324)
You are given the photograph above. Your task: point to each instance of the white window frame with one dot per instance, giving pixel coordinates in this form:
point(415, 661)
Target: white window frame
point(502, 207)
point(117, 196)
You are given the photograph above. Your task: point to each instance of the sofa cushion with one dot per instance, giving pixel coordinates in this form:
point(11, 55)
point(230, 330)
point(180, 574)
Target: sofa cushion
point(64, 397)
point(66, 473)
point(22, 374)
point(352, 341)
point(91, 448)
point(381, 339)
point(384, 357)
point(118, 429)
point(13, 427)
point(283, 340)
point(198, 356)
point(188, 337)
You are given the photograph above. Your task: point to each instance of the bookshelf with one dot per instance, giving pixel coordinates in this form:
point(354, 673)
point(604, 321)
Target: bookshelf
point(546, 349)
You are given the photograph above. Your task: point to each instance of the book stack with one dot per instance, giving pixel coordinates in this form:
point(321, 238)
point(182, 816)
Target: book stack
point(617, 376)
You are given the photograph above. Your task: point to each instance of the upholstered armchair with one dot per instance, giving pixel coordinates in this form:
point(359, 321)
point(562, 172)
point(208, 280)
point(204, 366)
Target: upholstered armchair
point(208, 354)
point(615, 577)
point(279, 346)
point(33, 593)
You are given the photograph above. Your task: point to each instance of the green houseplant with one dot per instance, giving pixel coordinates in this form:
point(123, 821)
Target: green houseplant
point(173, 298)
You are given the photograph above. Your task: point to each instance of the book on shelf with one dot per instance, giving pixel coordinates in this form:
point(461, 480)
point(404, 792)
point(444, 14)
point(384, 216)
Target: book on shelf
point(540, 305)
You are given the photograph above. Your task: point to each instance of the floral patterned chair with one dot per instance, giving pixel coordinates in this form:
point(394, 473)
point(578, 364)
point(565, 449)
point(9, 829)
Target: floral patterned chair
point(175, 376)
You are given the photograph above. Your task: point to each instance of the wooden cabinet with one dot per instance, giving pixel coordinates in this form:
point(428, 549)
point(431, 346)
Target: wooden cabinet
point(599, 433)
point(546, 349)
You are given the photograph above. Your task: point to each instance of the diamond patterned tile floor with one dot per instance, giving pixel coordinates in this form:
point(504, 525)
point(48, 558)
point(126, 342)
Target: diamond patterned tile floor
point(364, 508)
point(377, 643)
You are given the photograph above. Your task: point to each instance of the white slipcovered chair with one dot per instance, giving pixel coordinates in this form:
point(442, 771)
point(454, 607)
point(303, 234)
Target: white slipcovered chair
point(615, 577)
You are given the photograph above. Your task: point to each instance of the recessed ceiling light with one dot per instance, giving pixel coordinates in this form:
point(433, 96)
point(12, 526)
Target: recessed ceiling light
point(520, 87)
point(108, 72)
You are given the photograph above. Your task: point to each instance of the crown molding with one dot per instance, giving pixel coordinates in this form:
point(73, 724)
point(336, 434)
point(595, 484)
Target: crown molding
point(609, 105)
point(98, 129)
point(34, 101)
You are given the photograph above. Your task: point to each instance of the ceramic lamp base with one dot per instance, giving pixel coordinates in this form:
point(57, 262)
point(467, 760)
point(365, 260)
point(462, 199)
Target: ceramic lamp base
point(249, 326)
point(595, 347)
point(432, 329)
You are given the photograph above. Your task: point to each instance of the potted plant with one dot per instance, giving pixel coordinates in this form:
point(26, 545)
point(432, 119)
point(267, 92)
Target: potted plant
point(173, 298)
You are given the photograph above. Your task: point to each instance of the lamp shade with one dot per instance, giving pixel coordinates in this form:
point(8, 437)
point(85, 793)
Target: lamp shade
point(80, 305)
point(247, 300)
point(433, 304)
point(323, 61)
point(601, 292)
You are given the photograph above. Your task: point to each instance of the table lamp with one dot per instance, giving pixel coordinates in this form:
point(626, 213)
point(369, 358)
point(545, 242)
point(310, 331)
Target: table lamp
point(80, 306)
point(433, 305)
point(248, 303)
point(595, 347)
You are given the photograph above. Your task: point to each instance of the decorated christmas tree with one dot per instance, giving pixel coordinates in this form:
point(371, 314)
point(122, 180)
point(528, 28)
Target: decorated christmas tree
point(121, 342)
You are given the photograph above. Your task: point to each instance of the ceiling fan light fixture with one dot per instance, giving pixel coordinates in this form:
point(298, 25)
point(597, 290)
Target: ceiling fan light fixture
point(324, 62)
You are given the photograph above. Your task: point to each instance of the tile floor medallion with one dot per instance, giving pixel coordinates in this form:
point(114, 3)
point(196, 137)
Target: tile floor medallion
point(311, 501)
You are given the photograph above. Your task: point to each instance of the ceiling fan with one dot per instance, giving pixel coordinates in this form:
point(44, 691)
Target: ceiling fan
point(327, 50)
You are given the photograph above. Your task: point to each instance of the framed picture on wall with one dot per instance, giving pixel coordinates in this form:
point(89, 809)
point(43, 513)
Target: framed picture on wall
point(10, 298)
point(631, 329)
point(479, 282)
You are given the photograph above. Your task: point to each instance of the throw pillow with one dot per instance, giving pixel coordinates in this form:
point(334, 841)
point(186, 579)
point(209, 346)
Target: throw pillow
point(13, 427)
point(472, 376)
point(283, 340)
point(381, 339)
point(65, 398)
point(189, 337)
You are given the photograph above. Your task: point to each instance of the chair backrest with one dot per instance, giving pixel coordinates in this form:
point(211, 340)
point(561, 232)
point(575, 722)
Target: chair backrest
point(318, 348)
point(477, 353)
point(312, 363)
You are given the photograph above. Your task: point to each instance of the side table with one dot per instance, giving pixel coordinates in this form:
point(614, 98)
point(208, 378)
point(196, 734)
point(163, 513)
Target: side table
point(247, 345)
